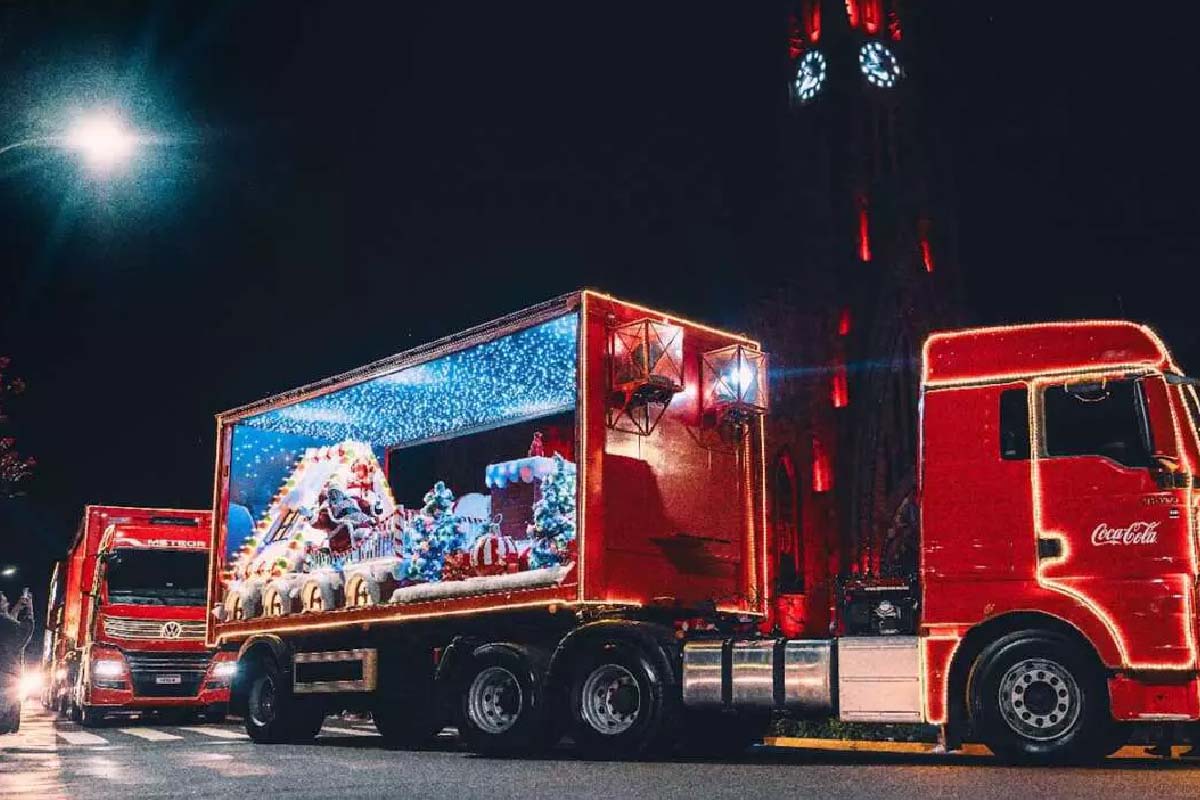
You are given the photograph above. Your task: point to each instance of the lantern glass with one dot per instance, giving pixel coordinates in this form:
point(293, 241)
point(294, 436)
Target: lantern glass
point(647, 353)
point(735, 379)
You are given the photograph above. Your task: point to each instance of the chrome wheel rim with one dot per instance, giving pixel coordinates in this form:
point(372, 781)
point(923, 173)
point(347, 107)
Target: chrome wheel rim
point(611, 699)
point(263, 703)
point(495, 700)
point(1039, 699)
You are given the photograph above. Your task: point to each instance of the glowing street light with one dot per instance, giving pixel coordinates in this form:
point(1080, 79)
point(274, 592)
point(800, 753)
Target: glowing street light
point(101, 140)
point(8, 571)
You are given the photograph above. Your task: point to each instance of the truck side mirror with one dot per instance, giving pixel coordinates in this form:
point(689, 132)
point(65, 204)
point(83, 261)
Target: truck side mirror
point(1166, 472)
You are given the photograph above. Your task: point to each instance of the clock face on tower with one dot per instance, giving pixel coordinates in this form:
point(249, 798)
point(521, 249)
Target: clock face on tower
point(878, 65)
point(810, 75)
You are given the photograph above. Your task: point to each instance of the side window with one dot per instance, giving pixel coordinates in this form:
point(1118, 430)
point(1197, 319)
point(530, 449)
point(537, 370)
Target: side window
point(1106, 419)
point(1014, 424)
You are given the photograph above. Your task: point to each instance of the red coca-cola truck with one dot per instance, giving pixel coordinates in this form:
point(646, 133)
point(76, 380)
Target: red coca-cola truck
point(557, 523)
point(125, 624)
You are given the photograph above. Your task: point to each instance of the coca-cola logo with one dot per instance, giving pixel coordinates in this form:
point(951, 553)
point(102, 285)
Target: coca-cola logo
point(1134, 533)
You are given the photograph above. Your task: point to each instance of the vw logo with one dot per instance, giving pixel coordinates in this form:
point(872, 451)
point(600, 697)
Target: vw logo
point(172, 630)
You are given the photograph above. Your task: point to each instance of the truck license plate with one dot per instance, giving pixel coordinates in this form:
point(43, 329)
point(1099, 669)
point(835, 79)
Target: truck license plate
point(168, 679)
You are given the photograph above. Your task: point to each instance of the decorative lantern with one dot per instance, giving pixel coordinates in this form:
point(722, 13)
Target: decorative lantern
point(734, 384)
point(646, 359)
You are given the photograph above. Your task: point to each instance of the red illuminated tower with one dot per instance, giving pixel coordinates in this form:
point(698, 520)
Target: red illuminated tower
point(873, 271)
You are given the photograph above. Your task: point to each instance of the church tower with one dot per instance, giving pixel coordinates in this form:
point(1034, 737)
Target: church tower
point(871, 271)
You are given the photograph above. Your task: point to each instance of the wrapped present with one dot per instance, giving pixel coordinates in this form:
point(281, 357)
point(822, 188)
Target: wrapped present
point(457, 567)
point(495, 554)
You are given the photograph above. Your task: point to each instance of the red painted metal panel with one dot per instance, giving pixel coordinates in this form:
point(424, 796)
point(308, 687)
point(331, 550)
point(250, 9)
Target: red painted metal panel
point(994, 353)
point(1155, 696)
point(660, 516)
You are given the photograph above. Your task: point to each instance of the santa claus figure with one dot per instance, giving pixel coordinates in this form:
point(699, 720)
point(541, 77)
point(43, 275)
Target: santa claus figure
point(343, 519)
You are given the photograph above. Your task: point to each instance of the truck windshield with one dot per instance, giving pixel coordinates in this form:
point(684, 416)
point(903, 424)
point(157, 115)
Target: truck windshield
point(157, 577)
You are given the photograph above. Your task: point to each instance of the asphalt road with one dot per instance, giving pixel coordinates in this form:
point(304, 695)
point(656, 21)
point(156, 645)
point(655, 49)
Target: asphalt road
point(131, 760)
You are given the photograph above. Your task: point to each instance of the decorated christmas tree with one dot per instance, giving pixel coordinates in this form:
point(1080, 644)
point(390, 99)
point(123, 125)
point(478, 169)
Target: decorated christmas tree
point(553, 528)
point(432, 535)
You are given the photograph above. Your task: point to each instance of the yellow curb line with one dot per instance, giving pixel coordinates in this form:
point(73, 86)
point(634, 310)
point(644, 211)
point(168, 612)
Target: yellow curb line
point(911, 748)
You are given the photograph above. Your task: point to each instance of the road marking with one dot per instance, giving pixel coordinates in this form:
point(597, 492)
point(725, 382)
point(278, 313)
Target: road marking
point(219, 733)
point(150, 734)
point(348, 731)
point(80, 737)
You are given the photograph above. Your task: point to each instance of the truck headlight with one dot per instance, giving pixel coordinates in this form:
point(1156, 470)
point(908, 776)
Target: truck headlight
point(108, 668)
point(224, 670)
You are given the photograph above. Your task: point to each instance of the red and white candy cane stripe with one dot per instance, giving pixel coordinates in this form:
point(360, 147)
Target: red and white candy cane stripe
point(493, 550)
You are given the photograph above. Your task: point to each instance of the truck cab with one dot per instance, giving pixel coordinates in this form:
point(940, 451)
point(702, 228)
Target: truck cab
point(1057, 497)
point(131, 635)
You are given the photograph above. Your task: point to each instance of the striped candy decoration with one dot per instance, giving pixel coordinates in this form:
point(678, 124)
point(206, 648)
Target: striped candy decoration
point(494, 554)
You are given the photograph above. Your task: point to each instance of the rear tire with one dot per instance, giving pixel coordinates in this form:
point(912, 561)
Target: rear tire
point(274, 714)
point(503, 706)
point(1037, 698)
point(621, 703)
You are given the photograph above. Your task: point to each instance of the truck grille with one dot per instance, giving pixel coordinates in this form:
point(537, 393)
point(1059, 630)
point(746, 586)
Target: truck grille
point(130, 628)
point(147, 668)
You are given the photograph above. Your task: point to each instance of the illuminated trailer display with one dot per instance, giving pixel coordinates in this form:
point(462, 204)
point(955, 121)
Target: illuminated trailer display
point(492, 471)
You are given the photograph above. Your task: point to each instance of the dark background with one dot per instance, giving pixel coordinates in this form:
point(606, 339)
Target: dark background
point(346, 180)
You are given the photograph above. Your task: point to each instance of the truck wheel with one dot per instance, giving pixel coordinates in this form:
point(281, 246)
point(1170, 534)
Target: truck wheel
point(502, 705)
point(273, 713)
point(620, 705)
point(722, 735)
point(1038, 699)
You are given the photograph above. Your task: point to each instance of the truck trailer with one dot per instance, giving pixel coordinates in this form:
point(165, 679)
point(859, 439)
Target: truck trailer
point(556, 523)
point(125, 623)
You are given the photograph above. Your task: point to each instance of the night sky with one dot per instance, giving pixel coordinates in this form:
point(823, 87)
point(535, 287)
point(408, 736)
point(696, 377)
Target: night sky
point(341, 181)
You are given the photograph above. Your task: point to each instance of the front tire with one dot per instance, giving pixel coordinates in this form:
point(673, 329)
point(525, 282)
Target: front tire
point(621, 703)
point(274, 714)
point(1039, 699)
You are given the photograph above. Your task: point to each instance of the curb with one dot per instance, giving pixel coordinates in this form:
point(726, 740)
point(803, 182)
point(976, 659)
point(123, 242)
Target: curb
point(925, 748)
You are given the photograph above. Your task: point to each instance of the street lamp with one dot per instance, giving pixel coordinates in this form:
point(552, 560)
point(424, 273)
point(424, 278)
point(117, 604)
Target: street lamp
point(102, 140)
point(8, 571)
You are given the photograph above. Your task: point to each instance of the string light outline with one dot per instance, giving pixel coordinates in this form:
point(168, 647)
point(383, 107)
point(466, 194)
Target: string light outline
point(1030, 379)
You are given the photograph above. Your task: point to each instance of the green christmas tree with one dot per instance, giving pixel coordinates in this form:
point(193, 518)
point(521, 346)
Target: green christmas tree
point(432, 535)
point(553, 525)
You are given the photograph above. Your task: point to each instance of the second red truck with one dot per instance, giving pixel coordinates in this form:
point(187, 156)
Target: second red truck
point(126, 619)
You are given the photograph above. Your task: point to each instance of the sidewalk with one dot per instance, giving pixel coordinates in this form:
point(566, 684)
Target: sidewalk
point(917, 748)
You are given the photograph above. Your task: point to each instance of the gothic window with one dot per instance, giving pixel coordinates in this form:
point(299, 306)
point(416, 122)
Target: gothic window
point(789, 567)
